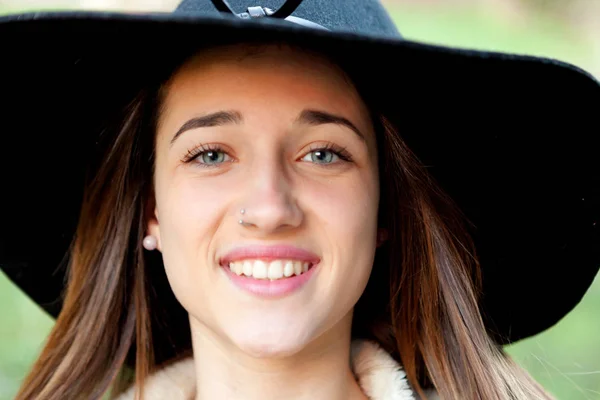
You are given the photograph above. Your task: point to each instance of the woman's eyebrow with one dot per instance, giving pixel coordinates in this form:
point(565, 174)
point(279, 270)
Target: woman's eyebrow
point(316, 117)
point(308, 117)
point(215, 119)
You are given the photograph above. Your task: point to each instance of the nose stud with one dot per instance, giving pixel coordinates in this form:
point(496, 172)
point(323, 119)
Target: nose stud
point(241, 221)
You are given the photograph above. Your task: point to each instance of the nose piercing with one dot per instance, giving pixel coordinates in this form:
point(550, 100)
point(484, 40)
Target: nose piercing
point(242, 211)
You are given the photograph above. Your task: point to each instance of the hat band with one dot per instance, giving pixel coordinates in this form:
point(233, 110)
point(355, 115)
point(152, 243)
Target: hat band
point(259, 12)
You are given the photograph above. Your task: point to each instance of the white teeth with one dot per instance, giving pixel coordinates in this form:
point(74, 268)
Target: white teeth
point(276, 269)
point(288, 270)
point(236, 268)
point(247, 268)
point(297, 268)
point(259, 270)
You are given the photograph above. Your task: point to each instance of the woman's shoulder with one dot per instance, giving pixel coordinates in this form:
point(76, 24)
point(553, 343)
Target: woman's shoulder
point(379, 375)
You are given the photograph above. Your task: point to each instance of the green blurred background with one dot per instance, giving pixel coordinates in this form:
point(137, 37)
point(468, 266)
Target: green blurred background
point(566, 358)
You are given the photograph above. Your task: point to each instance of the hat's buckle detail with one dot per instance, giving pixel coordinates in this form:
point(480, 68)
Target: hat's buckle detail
point(282, 12)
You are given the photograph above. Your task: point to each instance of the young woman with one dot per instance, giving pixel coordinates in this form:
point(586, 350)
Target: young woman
point(255, 225)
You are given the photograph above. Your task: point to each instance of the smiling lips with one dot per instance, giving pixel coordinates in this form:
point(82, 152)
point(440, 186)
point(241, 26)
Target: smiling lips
point(276, 269)
point(269, 270)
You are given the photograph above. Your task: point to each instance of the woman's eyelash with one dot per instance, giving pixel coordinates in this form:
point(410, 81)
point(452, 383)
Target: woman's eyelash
point(341, 152)
point(198, 150)
point(193, 153)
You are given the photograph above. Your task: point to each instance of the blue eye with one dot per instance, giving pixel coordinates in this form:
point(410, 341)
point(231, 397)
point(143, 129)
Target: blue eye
point(207, 156)
point(327, 154)
point(321, 156)
point(212, 157)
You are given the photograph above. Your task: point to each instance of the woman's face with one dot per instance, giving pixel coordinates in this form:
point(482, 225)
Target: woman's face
point(284, 136)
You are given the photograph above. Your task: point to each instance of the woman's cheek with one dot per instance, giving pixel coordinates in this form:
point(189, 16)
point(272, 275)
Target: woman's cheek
point(347, 212)
point(189, 215)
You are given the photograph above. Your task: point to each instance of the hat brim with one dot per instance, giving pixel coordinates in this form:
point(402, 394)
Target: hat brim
point(513, 139)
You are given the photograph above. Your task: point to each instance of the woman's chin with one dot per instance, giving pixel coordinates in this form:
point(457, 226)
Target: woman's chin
point(268, 345)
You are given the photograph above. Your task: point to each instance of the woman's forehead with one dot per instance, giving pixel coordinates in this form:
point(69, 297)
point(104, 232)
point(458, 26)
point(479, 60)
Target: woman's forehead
point(240, 74)
point(268, 62)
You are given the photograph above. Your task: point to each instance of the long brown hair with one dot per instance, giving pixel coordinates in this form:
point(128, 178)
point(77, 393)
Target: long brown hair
point(120, 321)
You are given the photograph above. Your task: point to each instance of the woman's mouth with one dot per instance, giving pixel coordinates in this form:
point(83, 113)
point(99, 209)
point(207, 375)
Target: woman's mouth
point(272, 270)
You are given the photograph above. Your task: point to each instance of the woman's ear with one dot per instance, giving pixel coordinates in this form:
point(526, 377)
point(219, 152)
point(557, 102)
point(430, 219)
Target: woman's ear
point(382, 236)
point(152, 225)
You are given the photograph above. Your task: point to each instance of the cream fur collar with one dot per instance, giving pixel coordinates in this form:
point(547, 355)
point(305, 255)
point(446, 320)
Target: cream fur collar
point(378, 374)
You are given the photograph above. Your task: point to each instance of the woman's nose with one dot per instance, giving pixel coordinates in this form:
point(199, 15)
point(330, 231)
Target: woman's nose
point(269, 201)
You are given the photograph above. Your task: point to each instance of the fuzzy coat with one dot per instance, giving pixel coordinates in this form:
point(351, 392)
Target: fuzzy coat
point(378, 374)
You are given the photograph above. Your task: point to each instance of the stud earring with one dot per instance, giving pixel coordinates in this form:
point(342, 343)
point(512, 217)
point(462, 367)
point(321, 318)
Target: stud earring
point(150, 243)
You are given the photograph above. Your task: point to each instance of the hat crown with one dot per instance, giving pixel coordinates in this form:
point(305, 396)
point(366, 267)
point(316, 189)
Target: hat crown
point(367, 17)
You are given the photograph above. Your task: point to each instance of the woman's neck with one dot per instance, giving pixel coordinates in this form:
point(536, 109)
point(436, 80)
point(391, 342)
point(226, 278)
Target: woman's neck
point(321, 370)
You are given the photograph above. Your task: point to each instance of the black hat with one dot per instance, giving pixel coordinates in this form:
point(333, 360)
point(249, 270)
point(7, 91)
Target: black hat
point(513, 139)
